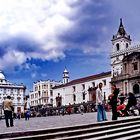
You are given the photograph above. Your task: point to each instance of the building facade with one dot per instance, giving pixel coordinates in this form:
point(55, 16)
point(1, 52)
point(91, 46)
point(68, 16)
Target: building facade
point(17, 93)
point(129, 79)
point(42, 93)
point(125, 62)
point(78, 90)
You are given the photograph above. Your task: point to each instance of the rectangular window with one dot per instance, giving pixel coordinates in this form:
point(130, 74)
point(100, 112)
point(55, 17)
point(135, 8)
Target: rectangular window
point(18, 91)
point(125, 87)
point(35, 88)
point(83, 86)
point(11, 91)
point(74, 88)
point(125, 68)
point(44, 94)
point(51, 93)
point(93, 84)
point(51, 101)
point(51, 86)
point(4, 90)
point(44, 100)
point(44, 86)
point(74, 97)
point(83, 95)
point(39, 93)
point(135, 65)
point(104, 82)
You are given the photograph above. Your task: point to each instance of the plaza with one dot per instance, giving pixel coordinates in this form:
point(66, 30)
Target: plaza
point(38, 123)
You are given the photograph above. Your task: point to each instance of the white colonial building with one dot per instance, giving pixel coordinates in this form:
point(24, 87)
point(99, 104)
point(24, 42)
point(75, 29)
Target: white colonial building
point(42, 93)
point(17, 93)
point(77, 91)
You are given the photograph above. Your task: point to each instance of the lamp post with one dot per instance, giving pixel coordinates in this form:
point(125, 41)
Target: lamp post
point(104, 97)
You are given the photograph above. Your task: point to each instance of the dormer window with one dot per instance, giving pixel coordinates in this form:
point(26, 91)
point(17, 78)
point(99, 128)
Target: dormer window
point(118, 46)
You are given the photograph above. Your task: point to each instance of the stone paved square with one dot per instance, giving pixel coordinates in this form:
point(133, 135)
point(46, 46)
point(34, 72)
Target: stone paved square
point(51, 122)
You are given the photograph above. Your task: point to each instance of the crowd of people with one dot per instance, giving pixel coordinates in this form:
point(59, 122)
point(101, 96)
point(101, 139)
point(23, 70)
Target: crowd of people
point(69, 109)
point(120, 105)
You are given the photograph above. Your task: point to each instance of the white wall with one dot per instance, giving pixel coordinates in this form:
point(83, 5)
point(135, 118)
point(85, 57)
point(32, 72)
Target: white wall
point(67, 91)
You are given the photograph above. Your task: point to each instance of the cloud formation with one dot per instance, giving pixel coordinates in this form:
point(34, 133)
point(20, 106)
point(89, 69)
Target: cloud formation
point(30, 29)
point(46, 29)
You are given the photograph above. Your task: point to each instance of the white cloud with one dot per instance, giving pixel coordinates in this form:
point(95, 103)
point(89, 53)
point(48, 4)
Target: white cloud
point(11, 59)
point(42, 20)
point(33, 75)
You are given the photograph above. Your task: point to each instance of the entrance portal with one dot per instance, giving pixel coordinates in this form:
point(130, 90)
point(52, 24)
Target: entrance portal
point(136, 89)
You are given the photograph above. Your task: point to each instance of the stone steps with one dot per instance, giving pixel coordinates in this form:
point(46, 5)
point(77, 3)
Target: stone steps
point(104, 130)
point(105, 135)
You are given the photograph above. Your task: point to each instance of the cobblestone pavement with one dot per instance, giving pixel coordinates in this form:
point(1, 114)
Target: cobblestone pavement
point(50, 122)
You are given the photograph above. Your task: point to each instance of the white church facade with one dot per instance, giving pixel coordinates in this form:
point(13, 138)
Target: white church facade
point(77, 91)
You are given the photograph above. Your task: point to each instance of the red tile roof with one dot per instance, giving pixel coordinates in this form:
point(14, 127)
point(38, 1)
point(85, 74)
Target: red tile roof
point(84, 79)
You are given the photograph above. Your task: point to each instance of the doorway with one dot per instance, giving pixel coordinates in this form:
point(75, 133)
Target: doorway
point(136, 89)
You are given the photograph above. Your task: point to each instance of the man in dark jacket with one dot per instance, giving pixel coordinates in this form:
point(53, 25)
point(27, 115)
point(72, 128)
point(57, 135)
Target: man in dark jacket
point(113, 101)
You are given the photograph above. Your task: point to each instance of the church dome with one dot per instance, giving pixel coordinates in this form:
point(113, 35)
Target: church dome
point(2, 77)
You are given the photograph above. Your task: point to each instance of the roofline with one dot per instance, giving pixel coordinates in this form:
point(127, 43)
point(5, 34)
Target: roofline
point(84, 79)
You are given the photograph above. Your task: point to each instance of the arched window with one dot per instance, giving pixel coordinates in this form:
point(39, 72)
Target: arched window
point(118, 46)
point(126, 45)
point(136, 89)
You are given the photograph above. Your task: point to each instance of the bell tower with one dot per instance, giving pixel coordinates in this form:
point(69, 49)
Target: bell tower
point(120, 43)
point(65, 76)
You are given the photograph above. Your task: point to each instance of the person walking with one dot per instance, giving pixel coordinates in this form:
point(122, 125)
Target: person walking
point(8, 109)
point(69, 109)
point(113, 101)
point(82, 109)
point(101, 113)
point(27, 109)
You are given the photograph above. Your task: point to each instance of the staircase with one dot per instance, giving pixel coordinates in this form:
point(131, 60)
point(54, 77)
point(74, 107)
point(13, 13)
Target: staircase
point(126, 129)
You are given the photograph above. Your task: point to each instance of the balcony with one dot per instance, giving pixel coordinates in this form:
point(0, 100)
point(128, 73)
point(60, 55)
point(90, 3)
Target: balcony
point(125, 77)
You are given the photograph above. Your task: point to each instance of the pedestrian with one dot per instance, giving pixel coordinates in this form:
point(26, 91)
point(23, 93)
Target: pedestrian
point(101, 113)
point(113, 101)
point(27, 109)
point(18, 115)
point(82, 109)
point(132, 102)
point(8, 110)
point(69, 109)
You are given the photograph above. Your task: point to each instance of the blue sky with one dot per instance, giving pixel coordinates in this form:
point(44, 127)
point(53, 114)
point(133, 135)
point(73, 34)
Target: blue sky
point(38, 38)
